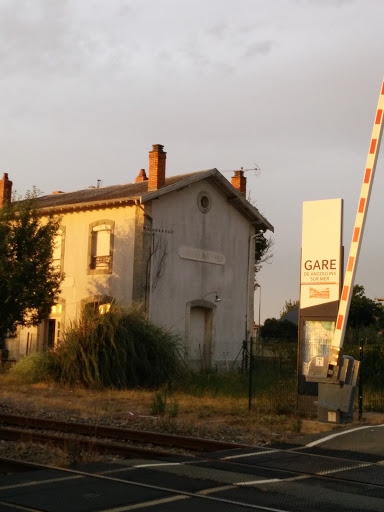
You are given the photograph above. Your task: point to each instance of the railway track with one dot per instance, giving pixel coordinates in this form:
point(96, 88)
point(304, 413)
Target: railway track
point(251, 478)
point(103, 439)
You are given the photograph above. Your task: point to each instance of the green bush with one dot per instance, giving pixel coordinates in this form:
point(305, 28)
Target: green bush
point(37, 367)
point(119, 349)
point(213, 383)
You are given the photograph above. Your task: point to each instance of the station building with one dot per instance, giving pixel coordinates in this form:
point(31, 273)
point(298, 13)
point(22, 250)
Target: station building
point(180, 247)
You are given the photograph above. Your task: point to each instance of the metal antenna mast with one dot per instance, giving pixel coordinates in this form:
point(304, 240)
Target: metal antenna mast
point(256, 169)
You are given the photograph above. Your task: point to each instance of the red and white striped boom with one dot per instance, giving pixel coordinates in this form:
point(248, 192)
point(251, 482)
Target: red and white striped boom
point(354, 251)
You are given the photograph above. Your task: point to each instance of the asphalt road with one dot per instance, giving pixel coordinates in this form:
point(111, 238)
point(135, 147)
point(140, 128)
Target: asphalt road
point(337, 471)
point(368, 439)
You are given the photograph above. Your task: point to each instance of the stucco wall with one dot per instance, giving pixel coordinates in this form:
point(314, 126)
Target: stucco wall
point(177, 282)
point(78, 284)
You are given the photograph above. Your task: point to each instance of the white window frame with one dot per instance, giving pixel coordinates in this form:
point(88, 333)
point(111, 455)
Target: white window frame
point(100, 263)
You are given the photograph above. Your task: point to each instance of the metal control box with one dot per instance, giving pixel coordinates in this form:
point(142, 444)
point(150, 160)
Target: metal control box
point(337, 387)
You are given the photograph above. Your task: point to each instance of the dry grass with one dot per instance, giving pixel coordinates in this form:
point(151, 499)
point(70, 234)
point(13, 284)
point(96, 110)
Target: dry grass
point(222, 418)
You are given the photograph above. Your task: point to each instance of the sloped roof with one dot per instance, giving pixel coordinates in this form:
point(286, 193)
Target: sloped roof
point(119, 194)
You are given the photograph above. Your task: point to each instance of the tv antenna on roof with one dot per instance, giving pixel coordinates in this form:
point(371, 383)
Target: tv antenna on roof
point(256, 169)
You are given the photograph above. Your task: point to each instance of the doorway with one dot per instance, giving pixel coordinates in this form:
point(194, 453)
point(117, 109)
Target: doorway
point(199, 337)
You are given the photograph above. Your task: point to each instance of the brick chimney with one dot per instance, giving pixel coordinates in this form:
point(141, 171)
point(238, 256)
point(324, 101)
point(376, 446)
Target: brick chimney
point(141, 176)
point(5, 190)
point(239, 181)
point(157, 158)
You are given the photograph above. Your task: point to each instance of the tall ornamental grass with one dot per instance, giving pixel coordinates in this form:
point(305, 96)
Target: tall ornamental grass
point(120, 349)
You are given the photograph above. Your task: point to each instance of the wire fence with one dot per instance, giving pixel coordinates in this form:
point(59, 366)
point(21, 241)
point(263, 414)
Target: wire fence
point(276, 378)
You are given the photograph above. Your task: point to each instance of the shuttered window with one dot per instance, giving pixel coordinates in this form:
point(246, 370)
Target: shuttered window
point(101, 238)
point(58, 250)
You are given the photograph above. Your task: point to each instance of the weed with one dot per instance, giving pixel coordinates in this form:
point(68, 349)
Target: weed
point(173, 408)
point(159, 403)
point(296, 426)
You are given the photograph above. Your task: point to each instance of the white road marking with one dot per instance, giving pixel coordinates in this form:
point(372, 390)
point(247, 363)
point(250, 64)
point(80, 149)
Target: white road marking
point(40, 482)
point(346, 468)
point(332, 436)
point(259, 482)
point(248, 454)
point(19, 507)
point(205, 492)
point(145, 504)
point(158, 465)
point(274, 480)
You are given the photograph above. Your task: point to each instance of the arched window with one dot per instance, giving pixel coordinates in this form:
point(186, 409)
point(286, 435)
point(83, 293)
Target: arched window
point(100, 247)
point(58, 249)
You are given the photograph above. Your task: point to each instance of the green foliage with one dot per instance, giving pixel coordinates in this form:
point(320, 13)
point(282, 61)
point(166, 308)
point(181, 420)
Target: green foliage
point(363, 311)
point(263, 251)
point(288, 306)
point(213, 383)
point(372, 367)
point(278, 329)
point(29, 282)
point(37, 367)
point(119, 349)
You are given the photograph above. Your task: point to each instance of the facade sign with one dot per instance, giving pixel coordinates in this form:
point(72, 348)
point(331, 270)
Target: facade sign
point(192, 253)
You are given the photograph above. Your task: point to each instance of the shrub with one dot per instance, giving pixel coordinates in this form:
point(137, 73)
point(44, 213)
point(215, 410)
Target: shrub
point(37, 367)
point(119, 349)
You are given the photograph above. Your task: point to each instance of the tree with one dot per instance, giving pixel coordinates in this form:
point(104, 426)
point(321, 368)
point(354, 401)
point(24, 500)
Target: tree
point(364, 312)
point(29, 281)
point(278, 329)
point(288, 306)
point(263, 251)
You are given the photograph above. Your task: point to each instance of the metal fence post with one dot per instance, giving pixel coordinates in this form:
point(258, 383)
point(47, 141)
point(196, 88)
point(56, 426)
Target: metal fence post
point(250, 374)
point(360, 415)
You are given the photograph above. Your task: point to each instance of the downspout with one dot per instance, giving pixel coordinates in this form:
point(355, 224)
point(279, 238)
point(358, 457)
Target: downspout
point(250, 278)
point(148, 265)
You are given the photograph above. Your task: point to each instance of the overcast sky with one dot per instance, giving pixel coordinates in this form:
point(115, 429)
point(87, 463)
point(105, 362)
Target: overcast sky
point(87, 86)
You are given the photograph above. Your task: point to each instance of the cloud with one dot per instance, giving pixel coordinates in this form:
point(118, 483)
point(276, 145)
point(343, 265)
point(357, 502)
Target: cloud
point(61, 39)
point(219, 31)
point(259, 48)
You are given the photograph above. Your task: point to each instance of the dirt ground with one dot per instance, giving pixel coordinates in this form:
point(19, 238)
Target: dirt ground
point(226, 419)
point(220, 418)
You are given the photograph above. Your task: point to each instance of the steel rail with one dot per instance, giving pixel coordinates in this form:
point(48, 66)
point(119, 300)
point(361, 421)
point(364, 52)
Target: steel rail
point(88, 443)
point(118, 433)
point(179, 492)
point(175, 492)
point(96, 445)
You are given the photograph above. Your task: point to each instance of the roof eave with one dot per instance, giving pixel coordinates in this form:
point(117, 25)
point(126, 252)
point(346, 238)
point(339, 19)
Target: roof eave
point(154, 194)
point(103, 203)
